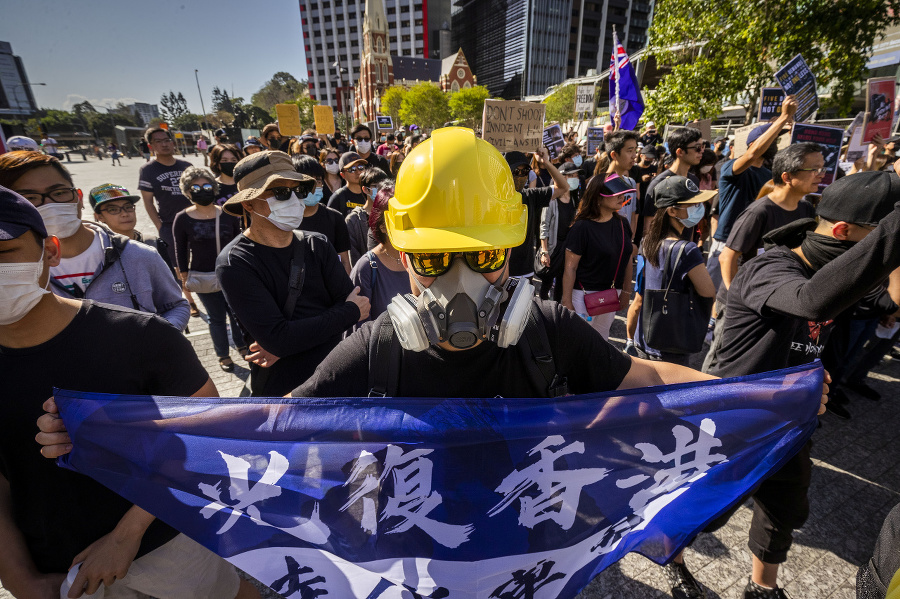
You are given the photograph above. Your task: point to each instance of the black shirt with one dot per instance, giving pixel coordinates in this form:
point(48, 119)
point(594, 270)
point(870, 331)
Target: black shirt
point(590, 364)
point(197, 238)
point(226, 190)
point(162, 180)
point(521, 261)
point(603, 251)
point(105, 349)
point(344, 200)
point(327, 193)
point(329, 223)
point(375, 160)
point(254, 278)
point(565, 216)
point(758, 219)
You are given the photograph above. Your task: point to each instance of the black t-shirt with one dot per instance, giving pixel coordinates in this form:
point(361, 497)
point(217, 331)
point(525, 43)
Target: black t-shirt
point(649, 206)
point(255, 280)
point(375, 160)
point(162, 180)
point(580, 354)
point(226, 190)
point(61, 512)
point(329, 223)
point(521, 261)
point(758, 219)
point(565, 216)
point(327, 193)
point(344, 200)
point(603, 252)
point(197, 238)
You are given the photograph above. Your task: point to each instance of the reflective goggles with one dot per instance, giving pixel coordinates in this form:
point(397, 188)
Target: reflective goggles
point(436, 264)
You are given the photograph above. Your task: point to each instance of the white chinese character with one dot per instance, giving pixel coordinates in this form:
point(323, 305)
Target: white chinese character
point(559, 489)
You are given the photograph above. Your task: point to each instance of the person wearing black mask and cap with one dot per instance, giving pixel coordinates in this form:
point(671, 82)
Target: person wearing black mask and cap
point(555, 222)
point(779, 312)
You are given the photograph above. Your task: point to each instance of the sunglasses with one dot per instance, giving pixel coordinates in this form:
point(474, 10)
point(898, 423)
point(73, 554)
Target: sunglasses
point(520, 172)
point(353, 169)
point(331, 161)
point(199, 188)
point(283, 194)
point(363, 138)
point(436, 264)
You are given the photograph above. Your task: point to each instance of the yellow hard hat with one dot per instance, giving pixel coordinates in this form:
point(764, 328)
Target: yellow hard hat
point(455, 193)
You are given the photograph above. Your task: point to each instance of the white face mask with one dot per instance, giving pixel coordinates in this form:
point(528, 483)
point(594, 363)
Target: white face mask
point(333, 168)
point(364, 146)
point(286, 215)
point(60, 220)
point(706, 169)
point(20, 289)
point(573, 183)
point(577, 159)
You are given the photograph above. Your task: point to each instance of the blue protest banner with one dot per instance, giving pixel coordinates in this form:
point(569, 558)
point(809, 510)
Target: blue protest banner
point(796, 79)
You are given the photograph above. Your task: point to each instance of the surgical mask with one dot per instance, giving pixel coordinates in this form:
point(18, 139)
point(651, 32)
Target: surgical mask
point(20, 289)
point(462, 308)
point(577, 160)
point(333, 168)
point(60, 220)
point(203, 198)
point(573, 183)
point(706, 169)
point(695, 215)
point(227, 168)
point(373, 192)
point(313, 198)
point(364, 146)
point(286, 215)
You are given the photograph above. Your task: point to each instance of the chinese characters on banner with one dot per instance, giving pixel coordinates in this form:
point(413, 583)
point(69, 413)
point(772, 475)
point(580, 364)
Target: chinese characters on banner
point(879, 117)
point(829, 138)
point(797, 80)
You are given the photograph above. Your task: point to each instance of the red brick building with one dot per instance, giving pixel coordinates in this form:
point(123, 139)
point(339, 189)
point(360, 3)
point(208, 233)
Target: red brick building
point(456, 74)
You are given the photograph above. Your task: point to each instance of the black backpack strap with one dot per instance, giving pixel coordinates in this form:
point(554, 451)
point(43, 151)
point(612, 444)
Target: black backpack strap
point(373, 267)
point(297, 275)
point(535, 336)
point(384, 358)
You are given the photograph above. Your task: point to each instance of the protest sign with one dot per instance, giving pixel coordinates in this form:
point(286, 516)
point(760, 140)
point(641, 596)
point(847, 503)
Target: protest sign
point(585, 98)
point(770, 100)
point(879, 117)
point(594, 140)
point(829, 138)
point(670, 128)
point(288, 116)
point(324, 116)
point(856, 149)
point(554, 140)
point(385, 123)
point(740, 139)
point(512, 125)
point(705, 127)
point(797, 80)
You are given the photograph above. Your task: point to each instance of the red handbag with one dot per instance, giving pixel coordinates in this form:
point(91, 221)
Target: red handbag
point(602, 302)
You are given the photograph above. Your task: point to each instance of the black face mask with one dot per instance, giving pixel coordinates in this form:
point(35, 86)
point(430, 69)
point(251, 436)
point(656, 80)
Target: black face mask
point(227, 168)
point(821, 249)
point(203, 198)
point(274, 143)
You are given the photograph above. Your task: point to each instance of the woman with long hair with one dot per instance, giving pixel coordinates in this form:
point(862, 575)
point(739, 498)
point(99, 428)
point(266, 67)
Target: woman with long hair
point(396, 160)
point(222, 159)
point(329, 158)
point(599, 252)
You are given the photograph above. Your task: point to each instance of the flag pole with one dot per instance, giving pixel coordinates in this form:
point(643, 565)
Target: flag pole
point(616, 65)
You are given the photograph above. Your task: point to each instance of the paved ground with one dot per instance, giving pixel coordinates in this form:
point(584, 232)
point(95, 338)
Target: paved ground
point(855, 481)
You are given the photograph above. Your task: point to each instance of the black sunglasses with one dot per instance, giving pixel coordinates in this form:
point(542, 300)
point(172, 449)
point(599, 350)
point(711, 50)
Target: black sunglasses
point(283, 194)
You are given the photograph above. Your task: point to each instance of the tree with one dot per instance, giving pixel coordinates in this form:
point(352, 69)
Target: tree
point(425, 105)
point(221, 101)
point(724, 52)
point(173, 106)
point(467, 105)
point(391, 100)
point(561, 105)
point(281, 88)
point(187, 122)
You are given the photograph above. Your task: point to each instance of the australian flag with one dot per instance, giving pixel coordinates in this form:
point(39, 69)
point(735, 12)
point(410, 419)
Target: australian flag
point(623, 85)
point(461, 498)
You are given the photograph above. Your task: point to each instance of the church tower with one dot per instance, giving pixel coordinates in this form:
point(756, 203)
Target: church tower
point(376, 71)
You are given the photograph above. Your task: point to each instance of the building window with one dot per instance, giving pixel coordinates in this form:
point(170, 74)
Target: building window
point(353, 29)
point(379, 45)
point(315, 20)
point(418, 37)
point(318, 46)
point(342, 44)
point(467, 85)
point(330, 46)
point(405, 38)
point(341, 31)
point(454, 87)
point(391, 11)
point(404, 8)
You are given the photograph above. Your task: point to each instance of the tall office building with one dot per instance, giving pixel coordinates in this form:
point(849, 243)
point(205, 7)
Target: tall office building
point(333, 35)
point(592, 23)
point(16, 99)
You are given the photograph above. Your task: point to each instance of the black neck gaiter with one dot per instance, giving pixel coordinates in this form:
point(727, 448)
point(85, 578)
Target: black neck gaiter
point(821, 249)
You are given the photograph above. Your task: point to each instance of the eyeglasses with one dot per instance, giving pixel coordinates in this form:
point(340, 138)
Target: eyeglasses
point(436, 264)
point(283, 194)
point(60, 196)
point(117, 210)
point(199, 188)
point(331, 161)
point(353, 169)
point(818, 171)
point(160, 140)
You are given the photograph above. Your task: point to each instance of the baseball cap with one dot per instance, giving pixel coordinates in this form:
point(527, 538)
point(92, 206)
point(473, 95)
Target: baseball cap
point(18, 216)
point(676, 190)
point(107, 192)
point(757, 133)
point(20, 142)
point(617, 185)
point(568, 168)
point(220, 133)
point(349, 159)
point(514, 159)
point(861, 199)
point(649, 151)
point(255, 173)
point(253, 141)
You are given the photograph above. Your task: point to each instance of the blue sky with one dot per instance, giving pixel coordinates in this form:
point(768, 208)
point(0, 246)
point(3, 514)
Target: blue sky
point(130, 50)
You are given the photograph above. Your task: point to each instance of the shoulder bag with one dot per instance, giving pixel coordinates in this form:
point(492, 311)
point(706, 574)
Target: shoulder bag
point(601, 302)
point(205, 282)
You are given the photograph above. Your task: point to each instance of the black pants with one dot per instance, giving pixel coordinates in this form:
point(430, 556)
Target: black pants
point(168, 236)
point(680, 359)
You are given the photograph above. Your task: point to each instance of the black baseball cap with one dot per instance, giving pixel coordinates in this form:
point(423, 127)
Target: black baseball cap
point(861, 198)
point(514, 159)
point(349, 159)
point(677, 190)
point(569, 168)
point(649, 150)
point(18, 216)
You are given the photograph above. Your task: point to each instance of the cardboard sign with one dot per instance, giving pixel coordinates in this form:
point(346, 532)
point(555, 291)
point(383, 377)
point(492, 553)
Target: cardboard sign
point(384, 123)
point(770, 99)
point(829, 138)
point(705, 127)
point(797, 80)
point(879, 117)
point(594, 140)
point(288, 116)
point(554, 140)
point(585, 98)
point(324, 116)
point(513, 125)
point(742, 133)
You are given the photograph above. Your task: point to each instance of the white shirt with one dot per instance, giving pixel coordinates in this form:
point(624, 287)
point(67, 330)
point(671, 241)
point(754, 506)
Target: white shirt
point(79, 270)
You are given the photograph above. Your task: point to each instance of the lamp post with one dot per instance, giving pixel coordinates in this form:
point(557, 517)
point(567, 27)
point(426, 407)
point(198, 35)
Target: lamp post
point(340, 70)
point(202, 107)
point(16, 94)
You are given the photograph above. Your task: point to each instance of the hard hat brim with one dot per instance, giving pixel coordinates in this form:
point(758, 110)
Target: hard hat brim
point(459, 239)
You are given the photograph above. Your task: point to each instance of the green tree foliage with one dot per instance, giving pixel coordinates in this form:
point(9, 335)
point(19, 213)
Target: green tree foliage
point(188, 122)
point(172, 106)
point(560, 105)
point(467, 105)
point(221, 101)
point(724, 52)
point(281, 88)
point(392, 100)
point(425, 105)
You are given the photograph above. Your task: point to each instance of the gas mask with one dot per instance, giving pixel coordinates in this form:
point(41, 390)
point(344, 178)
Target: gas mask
point(462, 308)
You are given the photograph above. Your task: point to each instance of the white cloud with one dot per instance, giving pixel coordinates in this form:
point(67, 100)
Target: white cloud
point(73, 99)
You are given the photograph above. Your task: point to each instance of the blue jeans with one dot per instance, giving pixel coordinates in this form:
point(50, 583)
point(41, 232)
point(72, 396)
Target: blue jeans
point(217, 308)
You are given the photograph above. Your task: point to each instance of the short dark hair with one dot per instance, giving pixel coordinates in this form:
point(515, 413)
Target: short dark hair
point(215, 156)
point(615, 141)
point(568, 151)
point(358, 128)
point(372, 176)
point(307, 165)
point(268, 129)
point(790, 159)
point(149, 133)
point(681, 138)
point(15, 164)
